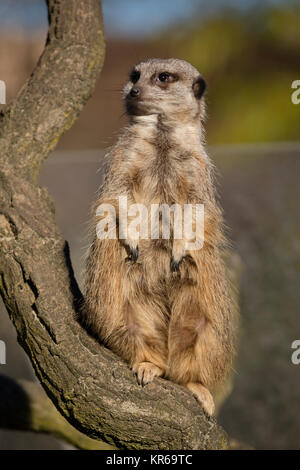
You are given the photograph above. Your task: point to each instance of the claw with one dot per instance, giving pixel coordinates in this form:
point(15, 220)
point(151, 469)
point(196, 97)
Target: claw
point(176, 264)
point(133, 253)
point(146, 371)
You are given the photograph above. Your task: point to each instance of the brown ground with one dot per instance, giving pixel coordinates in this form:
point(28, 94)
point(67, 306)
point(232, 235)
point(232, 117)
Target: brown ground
point(261, 194)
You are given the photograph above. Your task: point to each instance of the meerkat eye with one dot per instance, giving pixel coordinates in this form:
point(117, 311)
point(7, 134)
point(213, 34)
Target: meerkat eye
point(135, 76)
point(165, 77)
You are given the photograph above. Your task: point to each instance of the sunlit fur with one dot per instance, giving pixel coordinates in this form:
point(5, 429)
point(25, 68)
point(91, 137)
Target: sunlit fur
point(177, 324)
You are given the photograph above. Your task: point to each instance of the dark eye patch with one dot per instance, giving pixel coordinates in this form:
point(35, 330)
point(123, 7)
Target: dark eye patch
point(134, 76)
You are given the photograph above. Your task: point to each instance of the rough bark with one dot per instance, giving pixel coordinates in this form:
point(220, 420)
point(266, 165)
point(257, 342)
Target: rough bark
point(90, 386)
point(24, 406)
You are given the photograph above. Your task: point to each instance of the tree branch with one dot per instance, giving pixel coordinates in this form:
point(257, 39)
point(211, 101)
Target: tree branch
point(24, 406)
point(50, 101)
point(90, 386)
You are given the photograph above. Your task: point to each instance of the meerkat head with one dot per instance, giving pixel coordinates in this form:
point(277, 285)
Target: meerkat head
point(170, 88)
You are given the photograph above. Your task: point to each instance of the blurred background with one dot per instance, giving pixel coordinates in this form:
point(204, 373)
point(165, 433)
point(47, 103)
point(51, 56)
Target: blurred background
point(249, 53)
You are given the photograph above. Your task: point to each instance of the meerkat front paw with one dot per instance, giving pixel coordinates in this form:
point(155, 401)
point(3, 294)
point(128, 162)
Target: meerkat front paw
point(175, 264)
point(146, 371)
point(178, 254)
point(203, 395)
point(132, 251)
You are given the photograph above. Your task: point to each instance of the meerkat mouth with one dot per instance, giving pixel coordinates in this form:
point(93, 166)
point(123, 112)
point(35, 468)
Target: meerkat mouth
point(140, 107)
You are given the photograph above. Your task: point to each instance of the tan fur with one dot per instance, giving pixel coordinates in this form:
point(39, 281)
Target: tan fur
point(179, 324)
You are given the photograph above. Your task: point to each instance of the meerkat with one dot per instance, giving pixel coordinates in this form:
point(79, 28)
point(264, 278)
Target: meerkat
point(165, 309)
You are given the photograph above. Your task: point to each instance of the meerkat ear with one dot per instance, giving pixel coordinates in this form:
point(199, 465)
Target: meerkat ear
point(199, 87)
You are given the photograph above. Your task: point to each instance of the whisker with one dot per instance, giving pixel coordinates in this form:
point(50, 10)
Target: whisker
point(113, 89)
point(122, 115)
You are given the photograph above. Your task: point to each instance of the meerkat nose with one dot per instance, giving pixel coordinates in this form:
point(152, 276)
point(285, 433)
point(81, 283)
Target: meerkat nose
point(135, 91)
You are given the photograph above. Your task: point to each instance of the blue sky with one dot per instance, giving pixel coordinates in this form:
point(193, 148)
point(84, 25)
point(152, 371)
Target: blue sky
point(136, 18)
point(145, 17)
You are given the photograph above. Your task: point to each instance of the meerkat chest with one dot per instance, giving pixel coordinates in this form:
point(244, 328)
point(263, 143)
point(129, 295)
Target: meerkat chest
point(164, 177)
